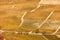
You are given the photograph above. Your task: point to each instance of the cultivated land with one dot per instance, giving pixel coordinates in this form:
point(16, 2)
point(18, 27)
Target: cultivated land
point(10, 19)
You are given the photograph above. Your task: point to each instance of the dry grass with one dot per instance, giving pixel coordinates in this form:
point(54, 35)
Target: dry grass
point(11, 17)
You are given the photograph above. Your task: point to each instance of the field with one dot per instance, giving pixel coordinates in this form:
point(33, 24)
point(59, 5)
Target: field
point(11, 13)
